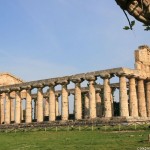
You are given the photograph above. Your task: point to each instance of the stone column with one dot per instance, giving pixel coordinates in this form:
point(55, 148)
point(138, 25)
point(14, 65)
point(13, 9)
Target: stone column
point(92, 98)
point(133, 105)
point(77, 100)
point(46, 108)
point(107, 96)
point(148, 98)
point(52, 103)
point(57, 104)
point(7, 108)
point(86, 106)
point(21, 109)
point(65, 103)
point(2, 108)
point(141, 98)
point(28, 111)
point(98, 104)
point(124, 111)
point(35, 109)
point(12, 108)
point(18, 107)
point(40, 105)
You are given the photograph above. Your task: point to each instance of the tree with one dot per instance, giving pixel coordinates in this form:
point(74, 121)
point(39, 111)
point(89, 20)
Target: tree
point(139, 9)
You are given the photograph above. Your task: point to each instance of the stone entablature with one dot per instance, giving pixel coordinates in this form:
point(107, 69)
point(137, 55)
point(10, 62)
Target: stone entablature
point(96, 100)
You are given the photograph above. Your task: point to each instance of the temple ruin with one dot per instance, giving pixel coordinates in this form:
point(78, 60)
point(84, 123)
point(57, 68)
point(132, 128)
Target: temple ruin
point(93, 100)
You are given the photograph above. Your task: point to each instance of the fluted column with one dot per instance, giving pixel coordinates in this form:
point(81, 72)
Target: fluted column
point(148, 98)
point(141, 98)
point(7, 108)
point(65, 103)
point(98, 105)
point(77, 99)
point(133, 105)
point(40, 105)
point(35, 109)
point(18, 107)
point(2, 109)
point(52, 103)
point(28, 111)
point(107, 96)
point(92, 98)
point(57, 104)
point(46, 107)
point(12, 110)
point(124, 111)
point(86, 105)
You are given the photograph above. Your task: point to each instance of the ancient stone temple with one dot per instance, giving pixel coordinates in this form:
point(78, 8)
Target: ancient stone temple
point(40, 100)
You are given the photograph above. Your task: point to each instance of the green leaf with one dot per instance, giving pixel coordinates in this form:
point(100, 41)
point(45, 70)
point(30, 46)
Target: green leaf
point(132, 23)
point(126, 28)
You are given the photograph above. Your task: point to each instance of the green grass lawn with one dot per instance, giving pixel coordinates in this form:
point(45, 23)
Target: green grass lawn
point(74, 140)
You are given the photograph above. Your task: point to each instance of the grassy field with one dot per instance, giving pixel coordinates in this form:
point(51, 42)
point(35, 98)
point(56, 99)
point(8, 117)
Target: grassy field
point(74, 140)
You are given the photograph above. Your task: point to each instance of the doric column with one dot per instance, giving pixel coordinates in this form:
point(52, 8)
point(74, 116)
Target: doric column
point(46, 107)
point(52, 103)
point(86, 105)
point(57, 104)
point(124, 111)
point(2, 112)
point(39, 105)
point(107, 95)
point(7, 108)
point(28, 111)
point(98, 104)
point(77, 99)
point(133, 105)
point(148, 98)
point(65, 103)
point(92, 97)
point(21, 109)
point(35, 109)
point(12, 110)
point(18, 107)
point(141, 98)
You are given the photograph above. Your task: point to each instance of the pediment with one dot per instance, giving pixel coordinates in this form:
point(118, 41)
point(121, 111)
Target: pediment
point(9, 79)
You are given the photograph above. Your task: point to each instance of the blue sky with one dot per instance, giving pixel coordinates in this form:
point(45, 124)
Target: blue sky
point(48, 38)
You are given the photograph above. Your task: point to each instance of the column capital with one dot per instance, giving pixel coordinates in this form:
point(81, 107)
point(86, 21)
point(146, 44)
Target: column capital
point(121, 74)
point(76, 80)
point(106, 75)
point(38, 85)
point(63, 82)
point(90, 77)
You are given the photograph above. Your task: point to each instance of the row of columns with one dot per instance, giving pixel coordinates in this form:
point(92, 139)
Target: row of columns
point(139, 104)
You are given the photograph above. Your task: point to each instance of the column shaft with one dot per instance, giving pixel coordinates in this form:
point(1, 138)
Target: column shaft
point(124, 111)
point(18, 107)
point(28, 111)
point(35, 109)
point(12, 108)
point(7, 109)
point(52, 103)
point(39, 105)
point(141, 99)
point(46, 108)
point(57, 106)
point(107, 99)
point(86, 106)
point(98, 105)
point(78, 103)
point(148, 98)
point(92, 99)
point(133, 107)
point(64, 105)
point(2, 109)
